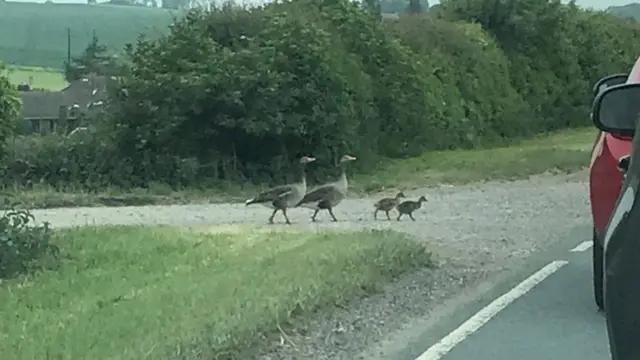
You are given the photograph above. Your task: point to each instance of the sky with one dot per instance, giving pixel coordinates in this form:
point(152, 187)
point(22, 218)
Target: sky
point(596, 4)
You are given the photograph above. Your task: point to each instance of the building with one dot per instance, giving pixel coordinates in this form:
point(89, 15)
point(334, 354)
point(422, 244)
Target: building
point(43, 110)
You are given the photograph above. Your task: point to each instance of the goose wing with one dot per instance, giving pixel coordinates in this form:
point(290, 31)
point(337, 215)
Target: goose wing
point(271, 195)
point(383, 202)
point(318, 194)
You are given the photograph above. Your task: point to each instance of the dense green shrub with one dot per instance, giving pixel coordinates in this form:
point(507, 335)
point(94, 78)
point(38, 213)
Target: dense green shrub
point(247, 105)
point(410, 115)
point(9, 108)
point(24, 247)
point(606, 44)
point(238, 94)
point(488, 109)
point(549, 46)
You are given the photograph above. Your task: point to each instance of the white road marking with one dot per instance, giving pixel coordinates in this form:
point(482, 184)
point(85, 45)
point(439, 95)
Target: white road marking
point(583, 246)
point(446, 344)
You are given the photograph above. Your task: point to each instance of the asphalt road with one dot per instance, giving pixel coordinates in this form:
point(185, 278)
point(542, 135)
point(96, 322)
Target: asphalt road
point(555, 318)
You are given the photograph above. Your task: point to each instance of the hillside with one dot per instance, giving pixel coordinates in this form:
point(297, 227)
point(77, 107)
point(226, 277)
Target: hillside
point(36, 34)
point(627, 11)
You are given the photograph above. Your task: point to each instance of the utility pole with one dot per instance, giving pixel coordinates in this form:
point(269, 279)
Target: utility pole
point(69, 46)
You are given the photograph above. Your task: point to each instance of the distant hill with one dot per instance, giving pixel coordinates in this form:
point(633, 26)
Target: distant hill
point(627, 11)
point(34, 34)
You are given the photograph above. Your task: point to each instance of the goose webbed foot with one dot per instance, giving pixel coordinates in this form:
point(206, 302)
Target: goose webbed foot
point(273, 214)
point(332, 216)
point(284, 212)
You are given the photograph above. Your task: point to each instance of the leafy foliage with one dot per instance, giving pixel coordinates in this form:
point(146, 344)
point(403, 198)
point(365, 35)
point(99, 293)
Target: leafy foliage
point(546, 47)
point(482, 107)
point(9, 108)
point(237, 94)
point(93, 60)
point(24, 247)
point(402, 6)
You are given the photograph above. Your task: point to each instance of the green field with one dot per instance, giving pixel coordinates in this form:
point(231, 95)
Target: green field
point(36, 34)
point(134, 293)
point(40, 78)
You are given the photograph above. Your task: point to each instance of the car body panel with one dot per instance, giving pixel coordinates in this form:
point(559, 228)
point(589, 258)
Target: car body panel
point(605, 179)
point(622, 268)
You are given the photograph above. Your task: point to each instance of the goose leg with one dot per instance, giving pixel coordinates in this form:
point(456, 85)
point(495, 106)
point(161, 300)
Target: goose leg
point(375, 215)
point(331, 213)
point(272, 215)
point(411, 216)
point(399, 216)
point(388, 218)
point(313, 217)
point(284, 212)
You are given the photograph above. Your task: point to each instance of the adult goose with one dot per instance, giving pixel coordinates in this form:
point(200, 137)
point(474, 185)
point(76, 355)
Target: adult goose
point(327, 196)
point(280, 198)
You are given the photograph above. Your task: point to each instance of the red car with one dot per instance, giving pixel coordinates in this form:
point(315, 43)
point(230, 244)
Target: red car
point(609, 159)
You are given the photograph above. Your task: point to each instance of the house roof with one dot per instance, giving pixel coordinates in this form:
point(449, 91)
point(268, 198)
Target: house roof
point(86, 90)
point(41, 104)
point(46, 104)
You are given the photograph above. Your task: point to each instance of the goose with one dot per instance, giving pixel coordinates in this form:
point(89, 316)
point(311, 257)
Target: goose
point(284, 196)
point(408, 207)
point(327, 196)
point(386, 205)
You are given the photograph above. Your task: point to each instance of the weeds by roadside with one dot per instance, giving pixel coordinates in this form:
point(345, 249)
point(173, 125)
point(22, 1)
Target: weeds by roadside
point(24, 246)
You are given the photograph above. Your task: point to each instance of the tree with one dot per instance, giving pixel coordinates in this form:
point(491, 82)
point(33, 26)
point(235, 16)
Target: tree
point(9, 108)
point(175, 4)
point(374, 6)
point(94, 59)
point(400, 6)
point(415, 7)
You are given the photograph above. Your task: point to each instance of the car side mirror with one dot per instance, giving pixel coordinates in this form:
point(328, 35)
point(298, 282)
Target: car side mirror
point(609, 81)
point(617, 109)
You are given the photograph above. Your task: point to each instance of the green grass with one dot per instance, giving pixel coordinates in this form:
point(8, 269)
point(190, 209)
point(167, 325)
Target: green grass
point(189, 293)
point(561, 152)
point(33, 34)
point(40, 78)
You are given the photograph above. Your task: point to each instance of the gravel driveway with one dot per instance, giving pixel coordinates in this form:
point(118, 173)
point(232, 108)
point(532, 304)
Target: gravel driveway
point(476, 231)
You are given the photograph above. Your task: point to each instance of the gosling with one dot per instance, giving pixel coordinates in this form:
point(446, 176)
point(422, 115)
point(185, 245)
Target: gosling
point(408, 207)
point(386, 205)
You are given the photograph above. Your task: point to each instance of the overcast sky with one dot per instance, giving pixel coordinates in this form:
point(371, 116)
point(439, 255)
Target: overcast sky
point(597, 4)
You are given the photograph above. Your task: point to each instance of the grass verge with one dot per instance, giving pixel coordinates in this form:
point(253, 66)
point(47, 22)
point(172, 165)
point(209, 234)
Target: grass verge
point(560, 152)
point(39, 78)
point(189, 293)
point(564, 151)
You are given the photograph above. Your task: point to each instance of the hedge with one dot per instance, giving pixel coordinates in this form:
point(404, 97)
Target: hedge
point(237, 94)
